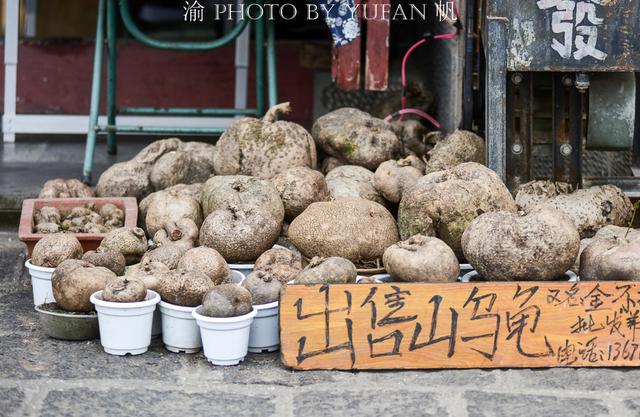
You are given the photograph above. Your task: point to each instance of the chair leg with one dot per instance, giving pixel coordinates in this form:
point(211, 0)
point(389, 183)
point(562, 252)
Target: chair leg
point(95, 96)
point(112, 145)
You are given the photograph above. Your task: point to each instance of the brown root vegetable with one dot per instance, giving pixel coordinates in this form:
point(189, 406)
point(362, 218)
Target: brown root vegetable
point(351, 181)
point(241, 192)
point(611, 260)
point(124, 290)
point(94, 228)
point(170, 169)
point(206, 261)
point(240, 234)
point(61, 188)
point(47, 228)
point(122, 179)
point(201, 158)
point(131, 242)
point(412, 134)
point(184, 288)
point(593, 208)
point(584, 243)
point(190, 191)
point(618, 232)
point(263, 286)
point(533, 193)
point(393, 177)
point(282, 263)
point(443, 203)
point(112, 260)
point(356, 138)
point(150, 273)
point(456, 148)
point(421, 259)
point(332, 270)
point(299, 187)
point(53, 249)
point(74, 281)
point(170, 206)
point(329, 163)
point(172, 242)
point(502, 246)
point(48, 215)
point(356, 229)
point(264, 147)
point(227, 300)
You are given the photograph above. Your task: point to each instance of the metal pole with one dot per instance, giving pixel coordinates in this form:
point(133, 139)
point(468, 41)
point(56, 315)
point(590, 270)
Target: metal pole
point(112, 145)
point(12, 23)
point(271, 63)
point(95, 96)
point(259, 35)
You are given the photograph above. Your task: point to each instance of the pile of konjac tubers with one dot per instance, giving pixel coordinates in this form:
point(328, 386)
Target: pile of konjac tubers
point(393, 197)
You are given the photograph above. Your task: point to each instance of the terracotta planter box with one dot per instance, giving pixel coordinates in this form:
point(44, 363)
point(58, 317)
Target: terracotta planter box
point(89, 241)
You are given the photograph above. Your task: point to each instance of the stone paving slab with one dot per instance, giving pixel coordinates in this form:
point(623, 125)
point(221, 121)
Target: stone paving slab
point(45, 377)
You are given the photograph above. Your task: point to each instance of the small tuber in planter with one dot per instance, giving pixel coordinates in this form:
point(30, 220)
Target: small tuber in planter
point(225, 319)
point(125, 326)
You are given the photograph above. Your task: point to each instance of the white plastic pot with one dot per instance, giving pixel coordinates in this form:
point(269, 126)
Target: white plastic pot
point(180, 332)
point(238, 277)
point(41, 283)
point(464, 269)
point(264, 336)
point(225, 340)
point(245, 267)
point(125, 327)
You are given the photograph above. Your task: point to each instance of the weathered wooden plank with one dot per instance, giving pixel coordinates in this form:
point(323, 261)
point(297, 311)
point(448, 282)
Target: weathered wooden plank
point(481, 325)
point(377, 53)
point(345, 64)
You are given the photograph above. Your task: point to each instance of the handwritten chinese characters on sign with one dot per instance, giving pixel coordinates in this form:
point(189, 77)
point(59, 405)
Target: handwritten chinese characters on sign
point(577, 22)
point(480, 325)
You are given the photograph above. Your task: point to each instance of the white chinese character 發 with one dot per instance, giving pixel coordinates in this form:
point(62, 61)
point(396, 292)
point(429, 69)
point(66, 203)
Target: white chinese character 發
point(583, 24)
point(194, 12)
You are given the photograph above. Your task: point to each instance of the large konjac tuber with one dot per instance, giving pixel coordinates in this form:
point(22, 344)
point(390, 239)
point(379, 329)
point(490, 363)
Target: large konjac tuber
point(61, 188)
point(355, 137)
point(171, 206)
point(456, 148)
point(112, 260)
point(53, 249)
point(130, 242)
point(264, 147)
point(298, 188)
point(356, 229)
point(392, 178)
point(172, 242)
point(532, 193)
point(206, 261)
point(593, 208)
point(263, 286)
point(421, 259)
point(73, 282)
point(612, 256)
point(184, 288)
point(351, 181)
point(443, 203)
point(281, 263)
point(227, 300)
point(331, 270)
point(502, 246)
point(124, 290)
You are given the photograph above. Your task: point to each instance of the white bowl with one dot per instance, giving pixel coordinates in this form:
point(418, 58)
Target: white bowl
point(41, 283)
point(264, 336)
point(225, 340)
point(125, 327)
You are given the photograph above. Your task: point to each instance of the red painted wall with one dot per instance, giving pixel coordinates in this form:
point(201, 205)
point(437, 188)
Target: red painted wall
point(55, 77)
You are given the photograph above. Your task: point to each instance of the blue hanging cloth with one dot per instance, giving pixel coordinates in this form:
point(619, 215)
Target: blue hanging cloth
point(342, 19)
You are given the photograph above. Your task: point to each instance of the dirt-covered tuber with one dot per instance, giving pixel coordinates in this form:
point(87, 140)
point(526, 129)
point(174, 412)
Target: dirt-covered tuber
point(53, 249)
point(227, 300)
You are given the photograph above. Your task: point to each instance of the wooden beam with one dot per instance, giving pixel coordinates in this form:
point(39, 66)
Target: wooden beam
point(377, 53)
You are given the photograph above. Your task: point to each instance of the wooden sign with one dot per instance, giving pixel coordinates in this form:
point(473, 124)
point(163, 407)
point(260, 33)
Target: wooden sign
point(460, 325)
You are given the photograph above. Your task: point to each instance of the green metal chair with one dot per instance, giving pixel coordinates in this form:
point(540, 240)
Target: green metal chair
point(111, 129)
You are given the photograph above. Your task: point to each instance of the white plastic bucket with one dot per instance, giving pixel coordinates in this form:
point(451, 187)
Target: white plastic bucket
point(238, 277)
point(264, 336)
point(225, 340)
point(180, 332)
point(41, 283)
point(125, 327)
